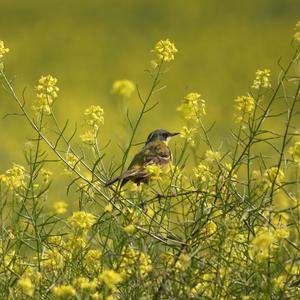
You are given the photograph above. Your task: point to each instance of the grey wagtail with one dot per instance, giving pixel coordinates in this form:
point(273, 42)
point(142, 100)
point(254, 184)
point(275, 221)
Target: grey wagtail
point(155, 152)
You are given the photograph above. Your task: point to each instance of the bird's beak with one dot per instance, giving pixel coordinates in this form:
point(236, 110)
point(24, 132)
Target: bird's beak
point(173, 134)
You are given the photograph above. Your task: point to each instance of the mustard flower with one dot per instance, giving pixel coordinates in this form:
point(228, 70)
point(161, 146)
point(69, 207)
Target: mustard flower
point(244, 105)
point(94, 116)
point(188, 134)
point(73, 161)
point(81, 220)
point(294, 151)
point(155, 171)
point(46, 175)
point(270, 175)
point(52, 259)
point(297, 33)
point(261, 244)
point(92, 259)
point(26, 285)
point(262, 79)
point(202, 172)
point(133, 259)
point(280, 281)
point(14, 177)
point(212, 155)
point(123, 88)
point(60, 207)
point(3, 50)
point(84, 283)
point(47, 92)
point(192, 107)
point(183, 263)
point(130, 229)
point(108, 208)
point(111, 278)
point(88, 137)
point(63, 291)
point(165, 50)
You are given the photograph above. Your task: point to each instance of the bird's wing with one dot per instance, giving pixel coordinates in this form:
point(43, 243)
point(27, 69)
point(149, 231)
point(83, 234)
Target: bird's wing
point(154, 153)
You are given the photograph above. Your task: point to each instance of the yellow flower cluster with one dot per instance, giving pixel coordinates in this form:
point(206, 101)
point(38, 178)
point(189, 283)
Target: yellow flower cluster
point(192, 107)
point(84, 283)
point(123, 87)
point(262, 79)
point(60, 207)
point(211, 155)
point(297, 33)
point(63, 291)
point(294, 151)
point(81, 220)
point(14, 177)
point(94, 117)
point(46, 94)
point(111, 279)
point(165, 50)
point(133, 260)
point(3, 50)
point(73, 161)
point(26, 285)
point(188, 133)
point(53, 259)
point(155, 171)
point(244, 106)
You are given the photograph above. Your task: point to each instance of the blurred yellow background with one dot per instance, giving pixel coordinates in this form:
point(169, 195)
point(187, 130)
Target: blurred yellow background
point(89, 44)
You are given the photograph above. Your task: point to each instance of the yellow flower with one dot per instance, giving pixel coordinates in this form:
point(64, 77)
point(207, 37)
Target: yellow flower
point(3, 50)
point(81, 220)
point(94, 116)
point(96, 296)
point(60, 207)
point(155, 171)
point(244, 105)
point(262, 79)
point(209, 229)
point(188, 134)
point(111, 278)
point(52, 259)
point(63, 291)
point(184, 262)
point(73, 161)
point(92, 259)
point(272, 173)
point(123, 88)
point(14, 177)
point(212, 155)
point(133, 259)
point(46, 94)
point(294, 151)
point(26, 285)
point(130, 229)
point(280, 281)
point(192, 107)
point(85, 284)
point(88, 137)
point(165, 50)
point(202, 172)
point(46, 175)
point(108, 208)
point(261, 244)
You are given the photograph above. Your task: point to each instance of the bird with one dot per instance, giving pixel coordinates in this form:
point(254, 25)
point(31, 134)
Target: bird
point(155, 152)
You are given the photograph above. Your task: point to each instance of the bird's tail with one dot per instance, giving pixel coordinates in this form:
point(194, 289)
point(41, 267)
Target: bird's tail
point(112, 181)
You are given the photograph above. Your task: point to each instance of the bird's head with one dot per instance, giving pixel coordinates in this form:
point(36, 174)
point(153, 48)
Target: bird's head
point(160, 135)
